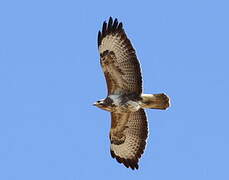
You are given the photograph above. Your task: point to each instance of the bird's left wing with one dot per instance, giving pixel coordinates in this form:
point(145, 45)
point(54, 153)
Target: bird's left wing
point(128, 136)
point(118, 60)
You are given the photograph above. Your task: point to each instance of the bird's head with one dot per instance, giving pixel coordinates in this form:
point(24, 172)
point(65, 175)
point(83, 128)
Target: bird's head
point(103, 105)
point(99, 104)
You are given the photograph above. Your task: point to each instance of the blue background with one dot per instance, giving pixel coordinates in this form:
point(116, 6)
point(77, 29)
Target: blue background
point(50, 75)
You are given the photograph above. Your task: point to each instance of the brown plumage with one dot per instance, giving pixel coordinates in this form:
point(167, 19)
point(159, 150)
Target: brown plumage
point(134, 136)
point(125, 100)
point(118, 59)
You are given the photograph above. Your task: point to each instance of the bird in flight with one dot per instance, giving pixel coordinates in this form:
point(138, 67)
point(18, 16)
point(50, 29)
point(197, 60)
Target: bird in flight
point(125, 100)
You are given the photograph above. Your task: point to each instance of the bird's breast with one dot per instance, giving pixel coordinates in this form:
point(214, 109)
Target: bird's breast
point(116, 99)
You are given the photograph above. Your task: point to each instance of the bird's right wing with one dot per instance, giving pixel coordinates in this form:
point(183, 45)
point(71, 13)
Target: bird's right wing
point(128, 136)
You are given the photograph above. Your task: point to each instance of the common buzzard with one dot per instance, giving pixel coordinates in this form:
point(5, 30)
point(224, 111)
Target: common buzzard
point(125, 99)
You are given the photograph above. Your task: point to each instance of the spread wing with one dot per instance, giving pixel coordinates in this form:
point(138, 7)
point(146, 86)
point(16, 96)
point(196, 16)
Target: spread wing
point(118, 60)
point(128, 136)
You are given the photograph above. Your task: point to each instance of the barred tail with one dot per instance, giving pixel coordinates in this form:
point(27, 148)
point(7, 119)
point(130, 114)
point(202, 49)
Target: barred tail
point(155, 101)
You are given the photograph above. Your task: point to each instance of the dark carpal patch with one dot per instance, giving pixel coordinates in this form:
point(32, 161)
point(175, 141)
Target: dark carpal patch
point(117, 141)
point(104, 53)
point(107, 57)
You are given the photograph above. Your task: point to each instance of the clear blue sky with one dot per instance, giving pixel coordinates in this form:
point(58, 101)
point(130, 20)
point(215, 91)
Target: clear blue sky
point(50, 75)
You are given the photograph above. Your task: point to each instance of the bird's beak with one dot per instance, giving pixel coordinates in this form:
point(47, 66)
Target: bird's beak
point(94, 104)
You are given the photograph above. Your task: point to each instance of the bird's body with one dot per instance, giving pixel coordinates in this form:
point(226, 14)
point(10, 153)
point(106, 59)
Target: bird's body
point(119, 104)
point(125, 99)
point(124, 103)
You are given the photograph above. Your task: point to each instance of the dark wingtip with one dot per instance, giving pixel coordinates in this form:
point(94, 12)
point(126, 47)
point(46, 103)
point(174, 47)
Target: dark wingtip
point(110, 23)
point(128, 163)
point(99, 38)
point(132, 163)
point(104, 30)
point(112, 154)
point(110, 27)
point(120, 26)
point(110, 20)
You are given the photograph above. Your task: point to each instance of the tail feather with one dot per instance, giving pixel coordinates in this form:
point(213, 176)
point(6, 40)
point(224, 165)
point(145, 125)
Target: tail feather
point(155, 101)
